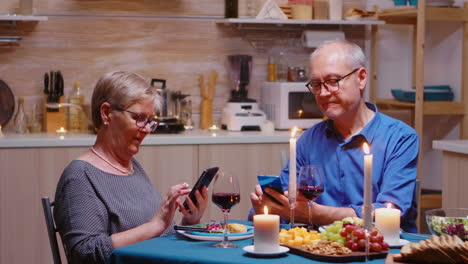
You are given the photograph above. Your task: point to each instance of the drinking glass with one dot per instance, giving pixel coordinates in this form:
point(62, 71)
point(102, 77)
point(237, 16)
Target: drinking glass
point(310, 185)
point(225, 195)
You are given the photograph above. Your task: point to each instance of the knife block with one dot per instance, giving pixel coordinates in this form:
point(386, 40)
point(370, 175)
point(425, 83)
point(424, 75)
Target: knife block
point(53, 121)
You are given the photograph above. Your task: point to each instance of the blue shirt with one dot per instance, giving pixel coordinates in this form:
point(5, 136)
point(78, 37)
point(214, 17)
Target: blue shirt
point(394, 146)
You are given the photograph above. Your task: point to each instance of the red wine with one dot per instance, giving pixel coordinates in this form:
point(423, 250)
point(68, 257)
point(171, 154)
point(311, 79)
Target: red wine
point(225, 200)
point(311, 192)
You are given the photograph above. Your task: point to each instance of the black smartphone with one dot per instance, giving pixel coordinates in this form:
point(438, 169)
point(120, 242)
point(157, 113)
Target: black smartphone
point(204, 180)
point(273, 182)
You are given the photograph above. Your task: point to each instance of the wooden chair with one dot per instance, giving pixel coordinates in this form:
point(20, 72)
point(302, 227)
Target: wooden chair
point(51, 229)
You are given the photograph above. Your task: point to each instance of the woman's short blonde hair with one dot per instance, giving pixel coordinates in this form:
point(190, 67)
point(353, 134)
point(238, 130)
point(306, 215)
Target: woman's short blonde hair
point(121, 89)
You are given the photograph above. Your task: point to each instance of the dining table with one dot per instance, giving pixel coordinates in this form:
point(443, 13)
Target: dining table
point(179, 249)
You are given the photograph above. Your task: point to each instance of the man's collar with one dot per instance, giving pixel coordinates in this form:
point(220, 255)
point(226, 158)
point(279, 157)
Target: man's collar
point(367, 134)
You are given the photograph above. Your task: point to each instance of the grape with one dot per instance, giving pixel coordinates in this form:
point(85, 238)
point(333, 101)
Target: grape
point(385, 245)
point(343, 232)
point(354, 237)
point(376, 247)
point(359, 233)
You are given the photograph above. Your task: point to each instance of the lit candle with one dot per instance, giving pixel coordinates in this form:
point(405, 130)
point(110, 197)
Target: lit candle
point(61, 132)
point(387, 220)
point(367, 207)
point(266, 232)
point(292, 165)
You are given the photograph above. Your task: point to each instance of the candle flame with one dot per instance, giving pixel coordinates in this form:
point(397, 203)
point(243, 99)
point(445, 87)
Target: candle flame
point(366, 149)
point(294, 131)
point(389, 205)
point(265, 210)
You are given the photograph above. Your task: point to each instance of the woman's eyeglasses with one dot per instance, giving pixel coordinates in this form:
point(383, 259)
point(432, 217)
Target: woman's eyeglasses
point(332, 85)
point(141, 120)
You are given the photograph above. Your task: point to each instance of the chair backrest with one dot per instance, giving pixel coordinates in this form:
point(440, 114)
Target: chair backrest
point(51, 229)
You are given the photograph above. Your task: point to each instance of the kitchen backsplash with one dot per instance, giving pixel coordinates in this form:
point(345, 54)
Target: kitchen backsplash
point(157, 39)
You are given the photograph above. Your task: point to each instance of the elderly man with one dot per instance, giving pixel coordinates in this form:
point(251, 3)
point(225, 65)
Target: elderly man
point(338, 79)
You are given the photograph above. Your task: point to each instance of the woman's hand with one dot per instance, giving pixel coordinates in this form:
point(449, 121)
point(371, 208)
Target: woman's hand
point(166, 212)
point(195, 212)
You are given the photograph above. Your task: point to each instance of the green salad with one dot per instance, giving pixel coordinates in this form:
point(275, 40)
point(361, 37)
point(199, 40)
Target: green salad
point(449, 226)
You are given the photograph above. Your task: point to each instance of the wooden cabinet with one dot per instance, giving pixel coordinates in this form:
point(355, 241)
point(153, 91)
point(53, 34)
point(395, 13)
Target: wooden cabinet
point(417, 17)
point(30, 173)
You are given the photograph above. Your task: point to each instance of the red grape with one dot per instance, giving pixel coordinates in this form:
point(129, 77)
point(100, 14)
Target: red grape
point(355, 247)
point(343, 232)
point(350, 228)
point(376, 247)
point(385, 245)
point(374, 232)
point(362, 243)
point(359, 233)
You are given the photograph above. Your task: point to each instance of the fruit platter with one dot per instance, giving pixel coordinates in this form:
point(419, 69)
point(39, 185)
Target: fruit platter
point(342, 241)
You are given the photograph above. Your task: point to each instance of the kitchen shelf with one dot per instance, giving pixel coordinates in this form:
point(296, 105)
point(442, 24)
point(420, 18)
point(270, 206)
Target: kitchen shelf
point(280, 22)
point(429, 108)
point(22, 18)
point(259, 32)
point(409, 15)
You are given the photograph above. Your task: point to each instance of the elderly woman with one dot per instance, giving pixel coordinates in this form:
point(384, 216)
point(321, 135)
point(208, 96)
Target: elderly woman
point(104, 199)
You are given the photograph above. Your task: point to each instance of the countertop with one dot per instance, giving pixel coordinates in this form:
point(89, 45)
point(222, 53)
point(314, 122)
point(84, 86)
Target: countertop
point(458, 146)
point(194, 137)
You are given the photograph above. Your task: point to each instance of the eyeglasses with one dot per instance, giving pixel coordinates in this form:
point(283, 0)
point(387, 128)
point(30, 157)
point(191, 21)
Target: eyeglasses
point(332, 85)
point(141, 120)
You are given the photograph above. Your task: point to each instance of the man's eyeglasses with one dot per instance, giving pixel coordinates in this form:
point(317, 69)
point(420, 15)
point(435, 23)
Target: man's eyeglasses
point(141, 120)
point(332, 85)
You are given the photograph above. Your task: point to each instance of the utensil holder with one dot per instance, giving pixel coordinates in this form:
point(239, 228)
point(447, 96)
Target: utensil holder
point(206, 116)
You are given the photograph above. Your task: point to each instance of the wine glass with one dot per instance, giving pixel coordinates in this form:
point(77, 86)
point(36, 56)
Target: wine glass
point(310, 185)
point(225, 195)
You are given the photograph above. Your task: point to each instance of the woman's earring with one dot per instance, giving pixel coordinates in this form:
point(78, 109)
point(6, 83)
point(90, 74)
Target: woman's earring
point(106, 123)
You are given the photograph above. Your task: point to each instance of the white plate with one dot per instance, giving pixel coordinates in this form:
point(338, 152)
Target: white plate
point(250, 250)
point(400, 243)
point(213, 238)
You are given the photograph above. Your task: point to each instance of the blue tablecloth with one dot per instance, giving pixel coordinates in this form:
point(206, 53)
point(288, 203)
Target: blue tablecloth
point(179, 249)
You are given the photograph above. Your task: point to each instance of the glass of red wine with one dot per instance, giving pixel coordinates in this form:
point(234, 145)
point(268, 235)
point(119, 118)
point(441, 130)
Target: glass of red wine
point(310, 185)
point(225, 195)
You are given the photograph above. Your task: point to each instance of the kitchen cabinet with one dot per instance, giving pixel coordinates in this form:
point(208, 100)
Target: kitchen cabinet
point(417, 17)
point(28, 173)
point(255, 31)
point(13, 19)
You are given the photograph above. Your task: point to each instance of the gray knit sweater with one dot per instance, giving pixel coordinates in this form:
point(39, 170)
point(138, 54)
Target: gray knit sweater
point(91, 205)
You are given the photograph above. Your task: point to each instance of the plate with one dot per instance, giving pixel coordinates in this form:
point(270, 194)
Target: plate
point(400, 243)
point(7, 103)
point(250, 250)
point(217, 236)
point(353, 257)
point(205, 237)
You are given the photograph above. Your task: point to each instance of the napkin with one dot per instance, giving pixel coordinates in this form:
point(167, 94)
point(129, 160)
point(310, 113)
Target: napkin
point(271, 10)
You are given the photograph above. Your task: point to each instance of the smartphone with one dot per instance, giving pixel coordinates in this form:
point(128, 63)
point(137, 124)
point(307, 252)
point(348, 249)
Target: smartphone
point(273, 182)
point(204, 180)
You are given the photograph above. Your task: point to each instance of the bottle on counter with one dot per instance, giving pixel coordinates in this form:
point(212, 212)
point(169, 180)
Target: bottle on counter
point(281, 68)
point(75, 111)
point(271, 70)
point(36, 120)
point(21, 119)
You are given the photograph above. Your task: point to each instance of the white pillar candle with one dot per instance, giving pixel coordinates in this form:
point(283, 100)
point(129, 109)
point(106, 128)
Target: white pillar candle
point(292, 165)
point(367, 205)
point(387, 220)
point(266, 232)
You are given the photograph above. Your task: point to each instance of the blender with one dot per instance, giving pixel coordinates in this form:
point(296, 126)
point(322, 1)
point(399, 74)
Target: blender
point(241, 113)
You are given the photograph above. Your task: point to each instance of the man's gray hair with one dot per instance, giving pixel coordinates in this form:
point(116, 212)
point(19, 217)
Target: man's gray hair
point(355, 57)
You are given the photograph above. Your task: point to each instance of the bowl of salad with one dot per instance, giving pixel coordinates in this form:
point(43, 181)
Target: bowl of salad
point(448, 221)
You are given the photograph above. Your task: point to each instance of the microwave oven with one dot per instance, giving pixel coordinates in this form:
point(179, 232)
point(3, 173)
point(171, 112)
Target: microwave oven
point(289, 104)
